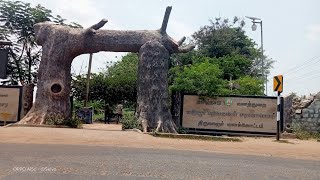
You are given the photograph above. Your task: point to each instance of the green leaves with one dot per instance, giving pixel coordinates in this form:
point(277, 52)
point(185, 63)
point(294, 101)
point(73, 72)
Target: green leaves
point(225, 62)
point(248, 86)
point(117, 83)
point(206, 78)
point(16, 24)
point(201, 78)
point(221, 38)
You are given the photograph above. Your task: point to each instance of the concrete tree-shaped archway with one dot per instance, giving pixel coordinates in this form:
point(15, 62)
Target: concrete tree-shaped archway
point(60, 45)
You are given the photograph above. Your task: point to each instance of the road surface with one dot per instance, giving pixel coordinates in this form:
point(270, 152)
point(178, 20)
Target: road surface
point(36, 161)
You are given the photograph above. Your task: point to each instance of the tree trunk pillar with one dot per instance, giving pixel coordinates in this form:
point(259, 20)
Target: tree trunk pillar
point(153, 96)
point(27, 97)
point(176, 107)
point(53, 93)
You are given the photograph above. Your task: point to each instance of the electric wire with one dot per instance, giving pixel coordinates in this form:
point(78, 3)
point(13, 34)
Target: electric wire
point(302, 66)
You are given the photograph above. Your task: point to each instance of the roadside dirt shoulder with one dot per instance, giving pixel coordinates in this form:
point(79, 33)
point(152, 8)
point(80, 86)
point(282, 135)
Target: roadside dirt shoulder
point(297, 149)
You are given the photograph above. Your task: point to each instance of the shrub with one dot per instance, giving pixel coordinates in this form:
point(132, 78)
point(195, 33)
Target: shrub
point(74, 123)
point(129, 121)
point(303, 134)
point(182, 130)
point(56, 119)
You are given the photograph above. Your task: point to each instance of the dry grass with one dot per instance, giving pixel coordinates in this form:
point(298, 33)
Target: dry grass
point(197, 137)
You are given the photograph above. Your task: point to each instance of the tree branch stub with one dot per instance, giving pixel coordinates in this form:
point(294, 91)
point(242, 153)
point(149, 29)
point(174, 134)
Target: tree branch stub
point(180, 42)
point(97, 26)
point(163, 28)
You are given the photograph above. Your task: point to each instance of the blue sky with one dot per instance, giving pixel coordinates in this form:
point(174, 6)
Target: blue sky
point(291, 29)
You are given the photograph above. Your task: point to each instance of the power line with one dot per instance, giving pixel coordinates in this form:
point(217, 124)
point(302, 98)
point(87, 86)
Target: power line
point(314, 77)
point(299, 65)
point(303, 66)
point(310, 76)
point(304, 75)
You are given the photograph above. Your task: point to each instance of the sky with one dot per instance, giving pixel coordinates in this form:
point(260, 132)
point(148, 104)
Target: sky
point(291, 30)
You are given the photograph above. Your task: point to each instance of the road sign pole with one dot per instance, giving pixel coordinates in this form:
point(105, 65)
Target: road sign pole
point(278, 115)
point(278, 87)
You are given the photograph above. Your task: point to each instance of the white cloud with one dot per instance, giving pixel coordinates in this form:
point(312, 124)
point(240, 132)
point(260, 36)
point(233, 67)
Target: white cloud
point(313, 32)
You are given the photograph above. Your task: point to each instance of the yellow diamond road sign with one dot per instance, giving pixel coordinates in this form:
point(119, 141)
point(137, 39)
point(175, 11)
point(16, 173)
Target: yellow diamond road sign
point(278, 83)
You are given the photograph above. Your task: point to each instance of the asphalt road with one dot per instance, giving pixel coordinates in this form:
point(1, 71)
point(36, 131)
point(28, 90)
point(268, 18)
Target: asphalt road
point(27, 161)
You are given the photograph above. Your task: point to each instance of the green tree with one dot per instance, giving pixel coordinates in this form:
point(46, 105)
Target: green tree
point(122, 78)
point(248, 85)
point(203, 78)
point(225, 45)
point(222, 38)
point(206, 78)
point(117, 83)
point(232, 67)
point(16, 25)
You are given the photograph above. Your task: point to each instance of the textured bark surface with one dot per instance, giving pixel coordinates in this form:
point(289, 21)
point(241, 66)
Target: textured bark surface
point(176, 107)
point(153, 96)
point(27, 98)
point(61, 44)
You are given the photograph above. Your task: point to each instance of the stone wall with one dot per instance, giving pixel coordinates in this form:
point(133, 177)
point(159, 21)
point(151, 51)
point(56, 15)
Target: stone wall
point(306, 112)
point(288, 112)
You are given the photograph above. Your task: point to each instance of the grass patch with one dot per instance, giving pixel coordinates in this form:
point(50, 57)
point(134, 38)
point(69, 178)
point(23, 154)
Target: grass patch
point(196, 137)
point(98, 117)
point(303, 134)
point(283, 141)
point(58, 120)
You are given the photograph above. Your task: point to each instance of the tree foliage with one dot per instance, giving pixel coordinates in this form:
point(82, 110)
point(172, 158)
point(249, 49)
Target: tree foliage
point(122, 78)
point(222, 38)
point(248, 86)
point(16, 25)
point(117, 83)
point(221, 44)
point(206, 78)
point(202, 78)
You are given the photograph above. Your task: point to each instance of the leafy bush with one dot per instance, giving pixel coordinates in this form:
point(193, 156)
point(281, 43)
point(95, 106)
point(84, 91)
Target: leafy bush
point(73, 123)
point(57, 120)
point(200, 78)
point(129, 121)
point(96, 105)
point(182, 130)
point(54, 119)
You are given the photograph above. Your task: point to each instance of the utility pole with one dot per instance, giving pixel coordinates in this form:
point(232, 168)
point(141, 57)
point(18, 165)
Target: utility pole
point(264, 75)
point(88, 81)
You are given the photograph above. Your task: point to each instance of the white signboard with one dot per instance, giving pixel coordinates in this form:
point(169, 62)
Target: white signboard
point(10, 103)
point(245, 114)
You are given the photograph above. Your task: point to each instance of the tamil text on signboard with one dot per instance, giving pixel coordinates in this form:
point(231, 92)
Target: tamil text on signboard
point(245, 114)
point(10, 103)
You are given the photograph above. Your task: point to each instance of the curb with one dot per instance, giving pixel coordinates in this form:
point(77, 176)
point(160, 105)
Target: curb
point(197, 137)
point(135, 130)
point(33, 125)
point(7, 125)
point(288, 136)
